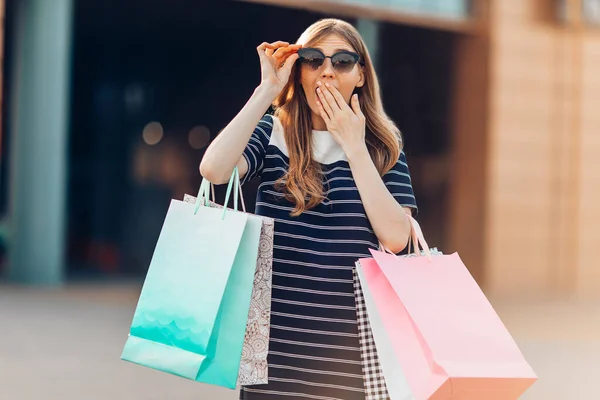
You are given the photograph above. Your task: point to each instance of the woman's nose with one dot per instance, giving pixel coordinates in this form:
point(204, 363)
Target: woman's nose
point(327, 71)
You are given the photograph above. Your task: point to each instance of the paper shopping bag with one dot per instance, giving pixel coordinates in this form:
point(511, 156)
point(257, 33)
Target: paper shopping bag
point(253, 364)
point(373, 377)
point(445, 336)
point(191, 315)
point(370, 325)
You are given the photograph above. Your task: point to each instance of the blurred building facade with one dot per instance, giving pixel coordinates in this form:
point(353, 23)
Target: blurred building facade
point(494, 98)
point(525, 173)
point(526, 145)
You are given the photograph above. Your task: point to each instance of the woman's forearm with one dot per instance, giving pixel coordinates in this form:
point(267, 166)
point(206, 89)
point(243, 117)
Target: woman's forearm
point(225, 152)
point(386, 215)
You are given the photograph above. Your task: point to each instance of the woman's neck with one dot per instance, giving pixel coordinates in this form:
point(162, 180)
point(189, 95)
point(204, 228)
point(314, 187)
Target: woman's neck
point(318, 123)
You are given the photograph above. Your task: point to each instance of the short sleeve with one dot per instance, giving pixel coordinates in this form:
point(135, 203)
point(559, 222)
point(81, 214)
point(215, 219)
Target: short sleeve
point(399, 183)
point(257, 148)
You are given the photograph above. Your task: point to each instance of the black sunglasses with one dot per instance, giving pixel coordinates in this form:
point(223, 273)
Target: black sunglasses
point(342, 61)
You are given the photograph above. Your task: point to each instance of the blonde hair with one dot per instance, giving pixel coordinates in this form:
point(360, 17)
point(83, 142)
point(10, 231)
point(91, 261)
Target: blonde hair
point(302, 183)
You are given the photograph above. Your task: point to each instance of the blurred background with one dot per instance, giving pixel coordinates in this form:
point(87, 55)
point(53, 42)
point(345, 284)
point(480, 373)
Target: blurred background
point(108, 107)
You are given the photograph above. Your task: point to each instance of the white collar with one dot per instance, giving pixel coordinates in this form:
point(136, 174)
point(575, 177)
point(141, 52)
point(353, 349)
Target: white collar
point(325, 148)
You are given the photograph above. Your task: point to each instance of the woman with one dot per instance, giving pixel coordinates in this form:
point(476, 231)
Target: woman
point(334, 177)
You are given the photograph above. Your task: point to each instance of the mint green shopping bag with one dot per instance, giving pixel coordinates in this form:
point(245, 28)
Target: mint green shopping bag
point(191, 316)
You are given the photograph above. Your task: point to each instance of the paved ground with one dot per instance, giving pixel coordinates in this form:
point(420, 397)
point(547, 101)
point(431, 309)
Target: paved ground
point(65, 345)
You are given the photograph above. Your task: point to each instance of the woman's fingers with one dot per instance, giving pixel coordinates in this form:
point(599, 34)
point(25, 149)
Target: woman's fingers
point(276, 53)
point(279, 44)
point(328, 97)
point(286, 61)
point(282, 54)
point(269, 48)
point(261, 49)
point(326, 104)
point(336, 95)
point(263, 46)
point(286, 49)
point(289, 62)
point(275, 46)
point(280, 57)
point(323, 113)
point(356, 107)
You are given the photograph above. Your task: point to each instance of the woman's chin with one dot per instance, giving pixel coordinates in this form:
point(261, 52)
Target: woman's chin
point(313, 108)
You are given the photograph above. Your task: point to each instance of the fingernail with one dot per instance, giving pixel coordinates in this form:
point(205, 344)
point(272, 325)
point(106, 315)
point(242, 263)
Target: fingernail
point(318, 90)
point(319, 83)
point(327, 84)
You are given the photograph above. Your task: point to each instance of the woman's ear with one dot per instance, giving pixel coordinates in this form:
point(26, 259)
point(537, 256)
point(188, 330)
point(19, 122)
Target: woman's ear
point(361, 78)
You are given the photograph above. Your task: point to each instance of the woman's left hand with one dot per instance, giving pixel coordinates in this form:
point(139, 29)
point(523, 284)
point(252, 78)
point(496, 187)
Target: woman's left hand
point(345, 123)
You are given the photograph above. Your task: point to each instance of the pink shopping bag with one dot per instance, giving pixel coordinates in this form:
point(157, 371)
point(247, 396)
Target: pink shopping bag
point(446, 337)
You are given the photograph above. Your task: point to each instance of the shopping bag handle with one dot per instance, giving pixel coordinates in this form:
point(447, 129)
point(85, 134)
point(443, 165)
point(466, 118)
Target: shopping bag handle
point(420, 238)
point(416, 237)
point(203, 193)
point(234, 181)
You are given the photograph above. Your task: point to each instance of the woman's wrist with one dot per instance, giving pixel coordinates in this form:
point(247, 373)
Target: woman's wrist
point(266, 92)
point(357, 154)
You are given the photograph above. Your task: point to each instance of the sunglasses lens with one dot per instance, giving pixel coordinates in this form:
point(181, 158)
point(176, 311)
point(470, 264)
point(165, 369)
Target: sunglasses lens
point(343, 62)
point(313, 58)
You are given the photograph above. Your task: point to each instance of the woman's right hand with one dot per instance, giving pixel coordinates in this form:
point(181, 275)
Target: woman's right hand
point(276, 62)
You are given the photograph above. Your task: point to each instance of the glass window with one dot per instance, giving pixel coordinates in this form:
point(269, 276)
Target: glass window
point(591, 11)
point(436, 8)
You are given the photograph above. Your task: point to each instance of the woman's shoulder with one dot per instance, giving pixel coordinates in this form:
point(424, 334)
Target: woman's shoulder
point(264, 130)
point(266, 124)
point(275, 134)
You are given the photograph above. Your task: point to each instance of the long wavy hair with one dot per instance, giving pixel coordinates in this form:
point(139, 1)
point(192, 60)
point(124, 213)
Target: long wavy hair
point(302, 184)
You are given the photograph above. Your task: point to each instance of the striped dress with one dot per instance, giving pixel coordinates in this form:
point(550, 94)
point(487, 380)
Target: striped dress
point(314, 349)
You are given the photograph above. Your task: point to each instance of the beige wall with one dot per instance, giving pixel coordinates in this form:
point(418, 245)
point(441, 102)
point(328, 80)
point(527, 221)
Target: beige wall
point(542, 205)
point(588, 276)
